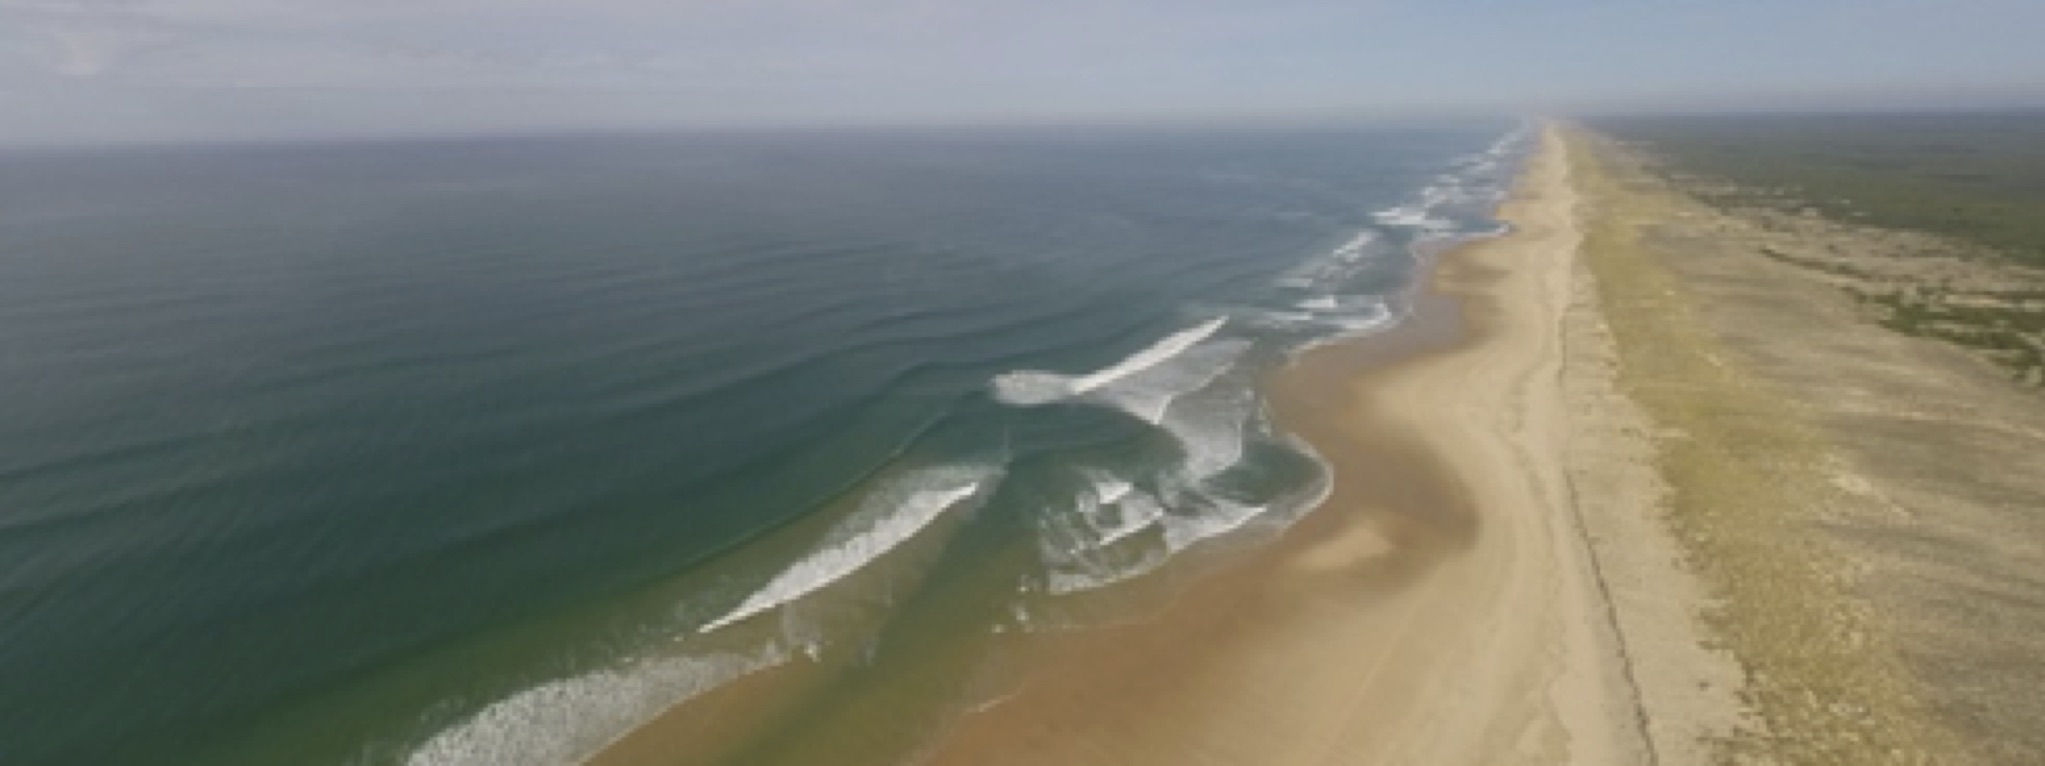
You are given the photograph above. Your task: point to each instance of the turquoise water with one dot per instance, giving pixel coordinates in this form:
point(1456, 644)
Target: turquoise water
point(483, 451)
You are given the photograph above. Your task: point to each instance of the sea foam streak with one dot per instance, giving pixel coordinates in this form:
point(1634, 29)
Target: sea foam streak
point(1111, 490)
point(1026, 388)
point(884, 521)
point(1183, 531)
point(1148, 394)
point(568, 720)
point(1337, 265)
point(1113, 534)
point(1110, 518)
point(1080, 548)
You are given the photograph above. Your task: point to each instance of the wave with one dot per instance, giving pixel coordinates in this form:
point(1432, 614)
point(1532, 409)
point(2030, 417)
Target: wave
point(1150, 394)
point(1027, 388)
point(1093, 544)
point(1138, 515)
point(1324, 317)
point(1110, 490)
point(1222, 516)
point(1082, 549)
point(1480, 177)
point(1075, 564)
point(1337, 265)
point(570, 719)
point(1117, 511)
point(1143, 385)
point(1423, 214)
point(1212, 433)
point(885, 520)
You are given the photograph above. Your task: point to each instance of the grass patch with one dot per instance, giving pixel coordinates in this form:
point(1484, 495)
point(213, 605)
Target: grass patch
point(1976, 177)
point(1746, 478)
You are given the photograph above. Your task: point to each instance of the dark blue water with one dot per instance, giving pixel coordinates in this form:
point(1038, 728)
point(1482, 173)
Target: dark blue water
point(333, 453)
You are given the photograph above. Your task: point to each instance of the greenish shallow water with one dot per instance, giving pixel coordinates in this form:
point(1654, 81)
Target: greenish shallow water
point(484, 451)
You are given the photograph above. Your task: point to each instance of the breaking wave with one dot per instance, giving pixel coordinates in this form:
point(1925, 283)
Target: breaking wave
point(1116, 528)
point(1031, 387)
point(567, 720)
point(887, 518)
point(1143, 384)
point(1113, 526)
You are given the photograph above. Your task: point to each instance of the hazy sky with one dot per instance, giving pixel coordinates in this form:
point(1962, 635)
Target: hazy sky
point(173, 69)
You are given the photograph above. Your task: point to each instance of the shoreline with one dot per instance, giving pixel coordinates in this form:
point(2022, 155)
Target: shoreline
point(1448, 602)
point(1439, 607)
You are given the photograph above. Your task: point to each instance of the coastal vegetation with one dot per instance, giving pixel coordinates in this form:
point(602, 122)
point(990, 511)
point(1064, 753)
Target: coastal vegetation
point(1934, 224)
point(1976, 177)
point(1735, 454)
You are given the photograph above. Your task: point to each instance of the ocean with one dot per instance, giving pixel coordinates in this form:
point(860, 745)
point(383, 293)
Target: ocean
point(487, 451)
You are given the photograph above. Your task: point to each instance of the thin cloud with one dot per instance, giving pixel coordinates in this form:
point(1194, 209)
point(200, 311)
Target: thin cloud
point(175, 68)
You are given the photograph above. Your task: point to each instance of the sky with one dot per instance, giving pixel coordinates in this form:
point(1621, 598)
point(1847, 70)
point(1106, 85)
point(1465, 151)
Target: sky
point(173, 70)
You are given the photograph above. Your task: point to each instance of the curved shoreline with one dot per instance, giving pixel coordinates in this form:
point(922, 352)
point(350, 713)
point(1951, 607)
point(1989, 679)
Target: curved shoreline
point(1438, 608)
point(1443, 604)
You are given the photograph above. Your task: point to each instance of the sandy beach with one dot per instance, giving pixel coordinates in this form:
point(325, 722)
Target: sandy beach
point(1011, 383)
point(1618, 492)
point(1441, 607)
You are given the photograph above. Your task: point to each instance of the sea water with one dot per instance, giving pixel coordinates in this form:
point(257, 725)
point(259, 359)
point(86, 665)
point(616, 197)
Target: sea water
point(487, 451)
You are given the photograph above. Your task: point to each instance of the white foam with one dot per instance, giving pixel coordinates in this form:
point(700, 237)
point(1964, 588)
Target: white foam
point(888, 518)
point(1142, 385)
point(1080, 547)
point(1119, 519)
point(1083, 549)
point(1480, 169)
point(1356, 317)
point(1032, 387)
point(1335, 265)
point(567, 720)
point(1109, 512)
point(1211, 433)
point(1281, 320)
point(1148, 394)
point(1108, 490)
point(1418, 216)
point(1182, 530)
point(1075, 570)
point(1355, 247)
point(1342, 315)
point(1068, 580)
point(1350, 326)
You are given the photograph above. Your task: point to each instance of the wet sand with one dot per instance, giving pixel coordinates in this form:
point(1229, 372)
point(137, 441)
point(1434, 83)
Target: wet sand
point(1621, 491)
point(1440, 608)
point(1488, 581)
